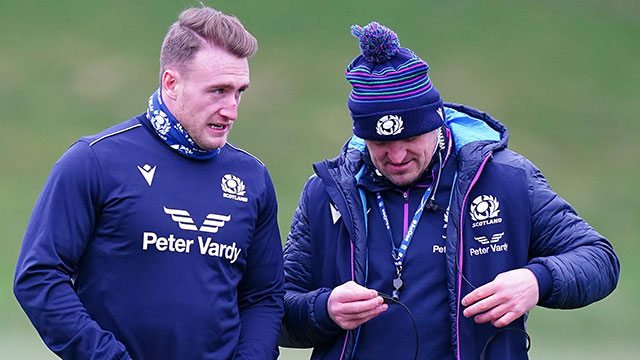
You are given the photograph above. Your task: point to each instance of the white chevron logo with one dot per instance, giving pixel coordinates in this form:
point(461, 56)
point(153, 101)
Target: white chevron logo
point(210, 224)
point(494, 238)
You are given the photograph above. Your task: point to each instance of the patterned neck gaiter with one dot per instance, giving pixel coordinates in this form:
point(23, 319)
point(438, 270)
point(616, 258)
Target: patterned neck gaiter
point(169, 129)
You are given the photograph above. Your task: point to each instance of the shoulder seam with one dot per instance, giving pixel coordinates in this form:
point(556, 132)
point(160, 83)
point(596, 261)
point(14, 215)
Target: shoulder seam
point(244, 151)
point(115, 133)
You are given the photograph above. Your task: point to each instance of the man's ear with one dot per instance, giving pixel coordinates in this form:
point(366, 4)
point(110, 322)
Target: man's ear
point(170, 79)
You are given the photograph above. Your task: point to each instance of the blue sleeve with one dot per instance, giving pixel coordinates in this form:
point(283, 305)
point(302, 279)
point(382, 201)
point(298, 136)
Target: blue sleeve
point(574, 264)
point(61, 224)
point(261, 291)
point(306, 321)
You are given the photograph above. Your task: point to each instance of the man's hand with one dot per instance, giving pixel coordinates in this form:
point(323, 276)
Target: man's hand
point(506, 298)
point(351, 305)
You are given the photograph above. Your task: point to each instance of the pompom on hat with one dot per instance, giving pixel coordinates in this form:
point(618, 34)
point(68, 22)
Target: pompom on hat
point(392, 96)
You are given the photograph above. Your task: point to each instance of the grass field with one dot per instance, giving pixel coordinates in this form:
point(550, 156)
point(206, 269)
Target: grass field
point(562, 75)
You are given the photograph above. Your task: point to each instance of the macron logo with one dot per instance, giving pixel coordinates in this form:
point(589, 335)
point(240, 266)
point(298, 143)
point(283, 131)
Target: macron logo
point(335, 214)
point(147, 171)
point(210, 224)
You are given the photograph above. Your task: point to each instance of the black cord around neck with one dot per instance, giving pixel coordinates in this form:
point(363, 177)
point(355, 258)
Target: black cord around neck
point(434, 207)
point(390, 300)
point(483, 354)
point(431, 202)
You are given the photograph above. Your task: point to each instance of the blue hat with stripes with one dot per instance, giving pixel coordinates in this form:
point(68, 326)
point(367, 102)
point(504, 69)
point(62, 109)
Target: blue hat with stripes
point(392, 96)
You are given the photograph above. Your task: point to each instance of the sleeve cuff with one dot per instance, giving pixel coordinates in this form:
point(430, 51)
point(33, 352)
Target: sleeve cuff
point(545, 281)
point(322, 313)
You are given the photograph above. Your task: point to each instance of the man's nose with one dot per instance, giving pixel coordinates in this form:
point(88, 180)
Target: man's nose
point(396, 152)
point(230, 108)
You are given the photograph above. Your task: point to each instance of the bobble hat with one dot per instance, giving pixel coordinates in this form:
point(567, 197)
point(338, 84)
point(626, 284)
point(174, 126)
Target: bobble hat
point(392, 96)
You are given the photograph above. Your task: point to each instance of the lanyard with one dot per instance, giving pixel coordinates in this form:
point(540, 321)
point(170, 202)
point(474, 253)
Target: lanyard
point(399, 254)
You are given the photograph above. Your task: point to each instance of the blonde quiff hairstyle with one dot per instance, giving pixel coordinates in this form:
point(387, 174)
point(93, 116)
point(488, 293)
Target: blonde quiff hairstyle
point(198, 27)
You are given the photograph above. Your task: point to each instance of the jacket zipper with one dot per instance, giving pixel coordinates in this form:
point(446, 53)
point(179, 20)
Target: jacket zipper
point(461, 252)
point(405, 226)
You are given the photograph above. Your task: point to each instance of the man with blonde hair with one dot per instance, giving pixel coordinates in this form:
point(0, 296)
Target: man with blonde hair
point(156, 238)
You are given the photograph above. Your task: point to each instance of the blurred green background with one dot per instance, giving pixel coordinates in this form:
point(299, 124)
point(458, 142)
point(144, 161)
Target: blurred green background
point(562, 75)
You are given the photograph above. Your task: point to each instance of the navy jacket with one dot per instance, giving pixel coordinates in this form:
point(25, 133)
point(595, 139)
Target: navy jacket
point(135, 250)
point(502, 216)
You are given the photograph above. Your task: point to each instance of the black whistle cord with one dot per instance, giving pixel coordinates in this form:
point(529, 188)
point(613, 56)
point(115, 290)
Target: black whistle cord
point(483, 354)
point(389, 300)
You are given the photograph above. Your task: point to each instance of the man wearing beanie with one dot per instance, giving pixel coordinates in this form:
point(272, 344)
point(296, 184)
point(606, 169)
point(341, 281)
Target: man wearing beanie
point(156, 238)
point(426, 238)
